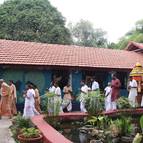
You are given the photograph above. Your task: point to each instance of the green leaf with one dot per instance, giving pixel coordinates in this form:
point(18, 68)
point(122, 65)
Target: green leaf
point(33, 20)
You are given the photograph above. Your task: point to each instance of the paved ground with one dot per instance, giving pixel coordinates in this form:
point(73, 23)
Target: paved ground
point(5, 134)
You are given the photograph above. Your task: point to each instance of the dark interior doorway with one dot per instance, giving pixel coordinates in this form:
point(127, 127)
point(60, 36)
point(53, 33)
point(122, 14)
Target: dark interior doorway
point(100, 77)
point(61, 76)
point(122, 76)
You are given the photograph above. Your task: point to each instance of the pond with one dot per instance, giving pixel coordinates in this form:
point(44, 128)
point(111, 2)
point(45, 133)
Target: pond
point(78, 135)
point(71, 134)
point(98, 129)
point(72, 131)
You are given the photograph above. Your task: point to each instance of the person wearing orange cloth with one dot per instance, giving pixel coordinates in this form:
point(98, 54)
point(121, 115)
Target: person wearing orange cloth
point(13, 97)
point(37, 99)
point(5, 109)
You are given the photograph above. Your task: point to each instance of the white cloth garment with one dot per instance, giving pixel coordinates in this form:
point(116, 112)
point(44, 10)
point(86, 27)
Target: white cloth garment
point(108, 105)
point(84, 92)
point(58, 91)
point(142, 101)
point(82, 107)
point(69, 107)
point(52, 89)
point(132, 92)
point(58, 98)
point(83, 96)
point(95, 85)
point(113, 105)
point(29, 107)
point(51, 100)
point(67, 104)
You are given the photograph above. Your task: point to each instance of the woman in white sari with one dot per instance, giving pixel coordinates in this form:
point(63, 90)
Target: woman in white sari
point(29, 106)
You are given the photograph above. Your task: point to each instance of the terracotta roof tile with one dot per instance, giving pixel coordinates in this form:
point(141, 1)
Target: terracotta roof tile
point(32, 53)
point(134, 45)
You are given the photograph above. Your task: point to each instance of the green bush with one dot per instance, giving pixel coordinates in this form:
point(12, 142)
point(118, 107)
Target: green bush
point(50, 104)
point(44, 100)
point(124, 125)
point(101, 122)
point(94, 103)
point(123, 103)
point(18, 123)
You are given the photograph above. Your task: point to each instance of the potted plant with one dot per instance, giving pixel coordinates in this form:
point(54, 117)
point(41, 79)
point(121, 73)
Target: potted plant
point(18, 122)
point(30, 135)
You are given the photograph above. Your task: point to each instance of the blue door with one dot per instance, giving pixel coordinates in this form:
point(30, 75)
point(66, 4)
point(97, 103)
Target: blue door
point(76, 78)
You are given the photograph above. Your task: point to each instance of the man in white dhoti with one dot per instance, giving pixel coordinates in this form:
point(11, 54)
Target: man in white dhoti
point(51, 99)
point(29, 106)
point(95, 86)
point(108, 104)
point(83, 95)
point(58, 98)
point(132, 92)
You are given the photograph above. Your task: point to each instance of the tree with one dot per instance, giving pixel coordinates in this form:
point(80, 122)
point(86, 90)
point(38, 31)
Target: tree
point(84, 34)
point(33, 20)
point(112, 45)
point(135, 34)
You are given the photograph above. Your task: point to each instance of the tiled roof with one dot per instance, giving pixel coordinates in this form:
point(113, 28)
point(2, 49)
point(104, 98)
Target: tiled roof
point(31, 53)
point(134, 46)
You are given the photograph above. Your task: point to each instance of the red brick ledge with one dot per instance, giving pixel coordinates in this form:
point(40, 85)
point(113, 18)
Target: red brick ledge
point(50, 134)
point(134, 111)
point(73, 115)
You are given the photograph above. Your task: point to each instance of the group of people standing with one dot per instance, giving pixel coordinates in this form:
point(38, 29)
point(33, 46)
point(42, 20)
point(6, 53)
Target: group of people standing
point(32, 98)
point(66, 101)
point(111, 93)
point(85, 89)
point(8, 98)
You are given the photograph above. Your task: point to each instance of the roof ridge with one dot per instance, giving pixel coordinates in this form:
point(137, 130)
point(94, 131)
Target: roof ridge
point(60, 45)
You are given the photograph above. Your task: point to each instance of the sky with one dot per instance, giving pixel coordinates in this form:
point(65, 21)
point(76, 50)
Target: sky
point(116, 17)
